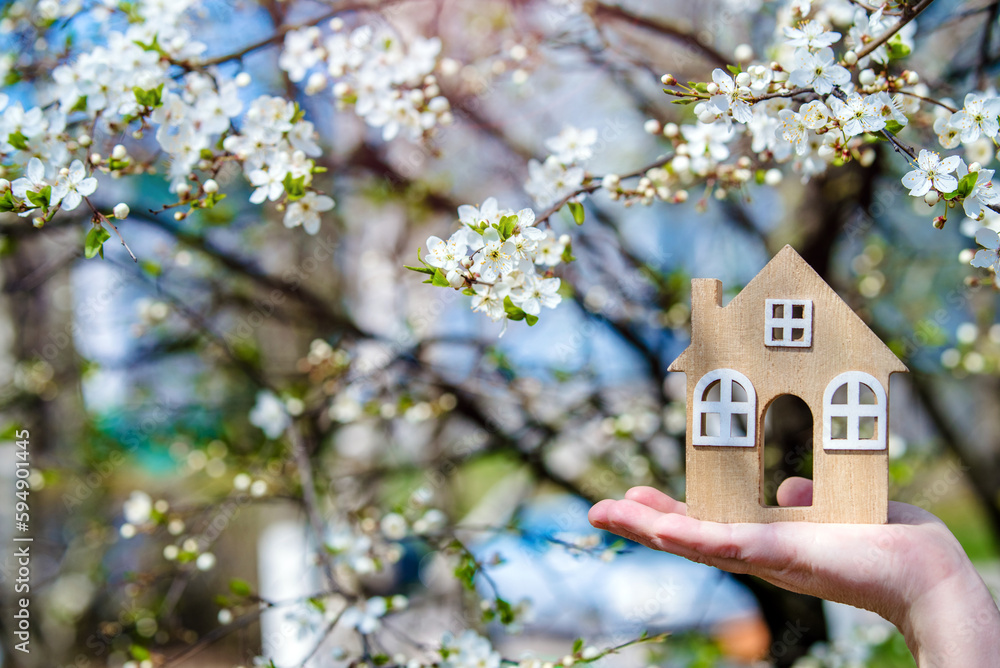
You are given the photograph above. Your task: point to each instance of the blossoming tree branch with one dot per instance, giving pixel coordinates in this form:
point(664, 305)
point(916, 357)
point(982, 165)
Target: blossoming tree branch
point(118, 114)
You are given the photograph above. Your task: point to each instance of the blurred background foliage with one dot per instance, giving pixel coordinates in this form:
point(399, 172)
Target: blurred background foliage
point(137, 381)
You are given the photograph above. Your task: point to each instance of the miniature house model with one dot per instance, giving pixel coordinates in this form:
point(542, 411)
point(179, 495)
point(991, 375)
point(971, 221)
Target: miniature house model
point(787, 332)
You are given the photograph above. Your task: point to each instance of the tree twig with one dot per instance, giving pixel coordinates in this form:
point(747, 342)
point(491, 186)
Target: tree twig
point(908, 15)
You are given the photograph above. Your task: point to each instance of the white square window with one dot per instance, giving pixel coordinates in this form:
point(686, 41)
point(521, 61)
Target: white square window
point(788, 323)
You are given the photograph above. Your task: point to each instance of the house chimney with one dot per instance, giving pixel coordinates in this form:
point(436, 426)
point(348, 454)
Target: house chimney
point(706, 298)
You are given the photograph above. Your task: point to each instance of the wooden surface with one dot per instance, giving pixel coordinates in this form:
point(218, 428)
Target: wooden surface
point(724, 483)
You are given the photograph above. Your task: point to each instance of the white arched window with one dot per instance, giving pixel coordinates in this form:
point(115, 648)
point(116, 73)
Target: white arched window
point(854, 416)
point(724, 409)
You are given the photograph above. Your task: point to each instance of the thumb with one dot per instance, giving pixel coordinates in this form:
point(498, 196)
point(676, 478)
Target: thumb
point(795, 492)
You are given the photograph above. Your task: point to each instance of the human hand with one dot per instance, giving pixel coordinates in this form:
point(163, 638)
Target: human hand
point(912, 571)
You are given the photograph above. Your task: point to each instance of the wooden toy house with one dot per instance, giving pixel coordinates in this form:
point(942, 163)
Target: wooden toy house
point(786, 332)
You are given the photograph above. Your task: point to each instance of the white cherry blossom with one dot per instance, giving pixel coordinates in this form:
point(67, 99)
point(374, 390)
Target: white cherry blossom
point(551, 181)
point(818, 70)
point(932, 171)
point(729, 98)
point(857, 114)
point(445, 254)
point(78, 185)
point(988, 257)
point(983, 193)
point(572, 144)
point(305, 211)
point(496, 257)
point(977, 117)
point(812, 35)
point(536, 292)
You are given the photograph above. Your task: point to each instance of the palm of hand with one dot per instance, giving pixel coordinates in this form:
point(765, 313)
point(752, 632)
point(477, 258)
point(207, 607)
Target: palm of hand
point(884, 568)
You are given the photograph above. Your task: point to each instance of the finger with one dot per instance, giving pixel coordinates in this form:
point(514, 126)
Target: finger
point(657, 500)
point(598, 514)
point(598, 517)
point(734, 547)
point(795, 492)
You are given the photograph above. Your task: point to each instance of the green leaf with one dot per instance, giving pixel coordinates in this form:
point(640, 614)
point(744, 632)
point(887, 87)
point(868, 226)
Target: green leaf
point(211, 199)
point(153, 45)
point(577, 645)
point(7, 202)
point(896, 47)
point(151, 98)
point(81, 104)
point(240, 587)
point(420, 270)
point(469, 292)
point(506, 611)
point(701, 87)
point(440, 279)
point(576, 209)
point(967, 184)
point(893, 126)
point(513, 312)
point(506, 226)
point(735, 69)
point(40, 198)
point(684, 101)
point(139, 653)
point(530, 319)
point(296, 188)
point(466, 570)
point(94, 243)
point(151, 267)
point(567, 254)
point(18, 140)
point(298, 115)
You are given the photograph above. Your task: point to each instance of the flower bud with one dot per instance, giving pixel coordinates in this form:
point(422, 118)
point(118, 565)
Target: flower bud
point(743, 52)
point(38, 222)
point(84, 140)
point(931, 198)
point(668, 80)
point(179, 215)
point(315, 83)
point(912, 78)
point(610, 181)
point(742, 79)
point(773, 177)
point(121, 211)
point(183, 190)
point(119, 152)
point(4, 185)
point(975, 167)
point(867, 77)
point(96, 158)
point(939, 222)
point(712, 88)
point(211, 186)
point(243, 79)
point(455, 278)
point(652, 126)
point(850, 59)
point(680, 196)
